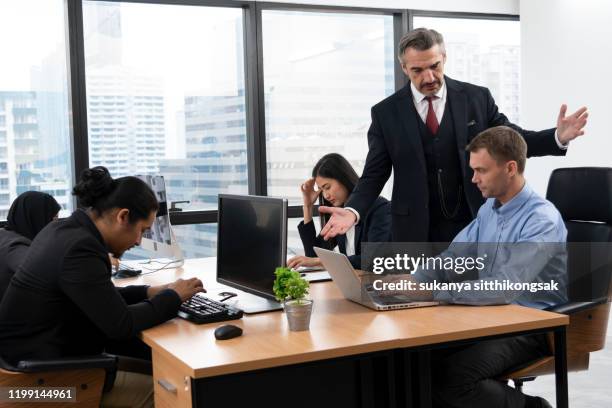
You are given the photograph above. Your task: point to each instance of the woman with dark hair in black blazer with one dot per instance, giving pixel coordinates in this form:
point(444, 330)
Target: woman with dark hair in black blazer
point(61, 301)
point(28, 215)
point(335, 179)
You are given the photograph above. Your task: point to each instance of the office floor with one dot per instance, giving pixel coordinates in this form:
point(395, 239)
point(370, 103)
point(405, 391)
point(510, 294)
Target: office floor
point(587, 389)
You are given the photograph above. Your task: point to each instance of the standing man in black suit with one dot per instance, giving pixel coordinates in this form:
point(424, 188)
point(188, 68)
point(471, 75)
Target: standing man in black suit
point(421, 132)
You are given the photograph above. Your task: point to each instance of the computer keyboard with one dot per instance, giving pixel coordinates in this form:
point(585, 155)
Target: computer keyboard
point(200, 309)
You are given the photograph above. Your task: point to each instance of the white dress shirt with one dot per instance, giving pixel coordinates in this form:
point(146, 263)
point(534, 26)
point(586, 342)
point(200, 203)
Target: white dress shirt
point(350, 241)
point(422, 104)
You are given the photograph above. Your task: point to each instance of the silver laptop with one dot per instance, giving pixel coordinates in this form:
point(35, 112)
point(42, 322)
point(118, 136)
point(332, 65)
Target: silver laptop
point(346, 278)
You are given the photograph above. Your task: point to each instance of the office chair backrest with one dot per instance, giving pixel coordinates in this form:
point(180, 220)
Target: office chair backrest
point(583, 196)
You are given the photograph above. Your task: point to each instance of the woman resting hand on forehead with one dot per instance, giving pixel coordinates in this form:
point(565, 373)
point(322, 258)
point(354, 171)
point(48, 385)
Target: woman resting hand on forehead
point(333, 179)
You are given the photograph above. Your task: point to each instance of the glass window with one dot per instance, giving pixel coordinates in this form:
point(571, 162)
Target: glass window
point(319, 86)
point(198, 240)
point(294, 243)
point(483, 52)
point(165, 95)
point(35, 140)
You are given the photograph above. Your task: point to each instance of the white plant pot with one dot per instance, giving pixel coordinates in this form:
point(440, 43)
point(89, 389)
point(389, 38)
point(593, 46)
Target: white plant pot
point(298, 314)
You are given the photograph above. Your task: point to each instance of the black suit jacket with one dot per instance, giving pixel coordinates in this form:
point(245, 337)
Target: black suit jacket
point(374, 227)
point(394, 142)
point(13, 249)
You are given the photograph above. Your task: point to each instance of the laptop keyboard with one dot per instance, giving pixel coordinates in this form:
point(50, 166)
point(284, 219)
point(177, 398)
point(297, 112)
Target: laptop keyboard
point(200, 309)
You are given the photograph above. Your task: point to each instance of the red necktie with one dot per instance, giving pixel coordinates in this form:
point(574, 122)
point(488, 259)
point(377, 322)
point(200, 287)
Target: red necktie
point(431, 121)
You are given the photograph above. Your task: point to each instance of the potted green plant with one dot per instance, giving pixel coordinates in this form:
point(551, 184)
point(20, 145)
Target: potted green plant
point(291, 289)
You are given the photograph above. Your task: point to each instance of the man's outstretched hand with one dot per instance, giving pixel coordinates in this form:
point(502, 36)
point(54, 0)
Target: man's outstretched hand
point(340, 221)
point(572, 126)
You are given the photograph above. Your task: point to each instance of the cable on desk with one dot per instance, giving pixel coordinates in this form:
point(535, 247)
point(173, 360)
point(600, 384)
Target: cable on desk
point(167, 265)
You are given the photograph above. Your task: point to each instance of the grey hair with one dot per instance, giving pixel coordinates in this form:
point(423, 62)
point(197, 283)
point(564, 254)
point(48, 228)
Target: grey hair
point(421, 39)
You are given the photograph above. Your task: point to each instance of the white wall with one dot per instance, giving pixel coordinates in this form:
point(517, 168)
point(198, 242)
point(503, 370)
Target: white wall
point(566, 58)
point(474, 6)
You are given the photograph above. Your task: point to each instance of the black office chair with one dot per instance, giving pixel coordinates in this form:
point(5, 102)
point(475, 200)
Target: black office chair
point(583, 196)
point(90, 375)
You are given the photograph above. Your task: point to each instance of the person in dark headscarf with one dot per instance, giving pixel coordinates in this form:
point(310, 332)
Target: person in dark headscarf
point(28, 215)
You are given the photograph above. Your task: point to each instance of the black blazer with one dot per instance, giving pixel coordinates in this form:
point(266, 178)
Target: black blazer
point(394, 142)
point(13, 248)
point(374, 227)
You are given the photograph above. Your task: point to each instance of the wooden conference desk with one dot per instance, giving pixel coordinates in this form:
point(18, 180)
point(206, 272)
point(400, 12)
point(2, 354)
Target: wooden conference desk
point(352, 356)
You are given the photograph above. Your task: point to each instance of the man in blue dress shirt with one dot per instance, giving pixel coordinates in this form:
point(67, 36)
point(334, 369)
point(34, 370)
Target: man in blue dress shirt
point(519, 235)
point(521, 238)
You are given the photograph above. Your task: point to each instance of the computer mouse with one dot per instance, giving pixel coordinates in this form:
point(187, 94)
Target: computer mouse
point(227, 331)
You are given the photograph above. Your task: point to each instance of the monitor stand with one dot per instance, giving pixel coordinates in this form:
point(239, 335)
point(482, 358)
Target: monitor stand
point(172, 252)
point(251, 304)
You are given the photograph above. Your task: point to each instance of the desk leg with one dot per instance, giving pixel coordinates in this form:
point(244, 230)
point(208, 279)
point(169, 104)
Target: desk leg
point(423, 375)
point(171, 386)
point(561, 368)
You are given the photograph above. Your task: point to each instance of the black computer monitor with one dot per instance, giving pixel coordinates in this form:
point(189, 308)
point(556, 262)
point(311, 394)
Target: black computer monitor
point(251, 242)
